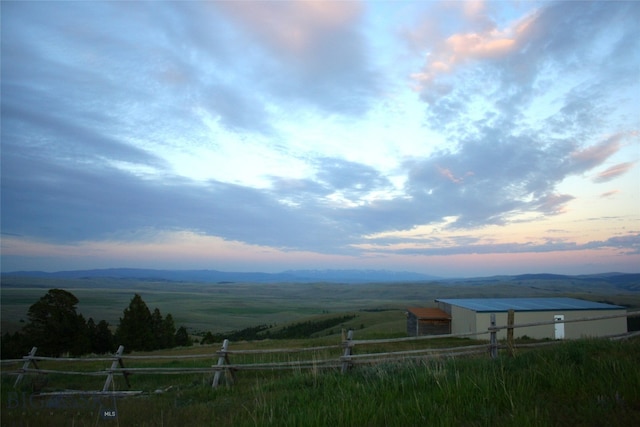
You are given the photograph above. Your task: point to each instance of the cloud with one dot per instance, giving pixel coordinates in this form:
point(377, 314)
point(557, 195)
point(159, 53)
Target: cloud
point(590, 157)
point(515, 69)
point(492, 178)
point(60, 202)
point(613, 172)
point(480, 39)
point(322, 58)
point(180, 57)
point(451, 177)
point(59, 137)
point(522, 103)
point(116, 116)
point(553, 204)
point(461, 48)
point(608, 194)
point(293, 28)
point(628, 244)
point(353, 177)
point(331, 212)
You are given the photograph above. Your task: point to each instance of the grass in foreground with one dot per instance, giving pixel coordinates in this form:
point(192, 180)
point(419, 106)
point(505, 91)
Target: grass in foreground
point(585, 383)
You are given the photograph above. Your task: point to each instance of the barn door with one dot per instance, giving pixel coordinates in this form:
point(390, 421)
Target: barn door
point(559, 326)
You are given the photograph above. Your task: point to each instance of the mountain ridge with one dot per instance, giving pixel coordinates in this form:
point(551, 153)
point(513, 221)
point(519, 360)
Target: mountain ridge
point(348, 276)
point(311, 276)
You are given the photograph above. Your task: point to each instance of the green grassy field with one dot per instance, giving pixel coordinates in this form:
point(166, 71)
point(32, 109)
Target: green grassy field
point(232, 306)
point(589, 383)
point(580, 383)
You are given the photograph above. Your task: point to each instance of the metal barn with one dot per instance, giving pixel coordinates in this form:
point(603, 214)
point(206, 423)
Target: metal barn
point(474, 315)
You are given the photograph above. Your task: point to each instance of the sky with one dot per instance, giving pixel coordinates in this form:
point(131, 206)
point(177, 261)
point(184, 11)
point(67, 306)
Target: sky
point(449, 138)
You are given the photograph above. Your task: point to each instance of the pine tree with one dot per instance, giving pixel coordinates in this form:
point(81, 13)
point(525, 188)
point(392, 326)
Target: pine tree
point(13, 346)
point(92, 331)
point(55, 327)
point(157, 325)
point(208, 338)
point(82, 344)
point(168, 332)
point(182, 337)
point(101, 337)
point(135, 330)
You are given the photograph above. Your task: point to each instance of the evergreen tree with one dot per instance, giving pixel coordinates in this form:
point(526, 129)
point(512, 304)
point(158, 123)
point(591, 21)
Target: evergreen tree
point(92, 331)
point(101, 337)
point(105, 342)
point(208, 338)
point(182, 337)
point(13, 346)
point(135, 330)
point(55, 327)
point(168, 332)
point(82, 343)
point(157, 327)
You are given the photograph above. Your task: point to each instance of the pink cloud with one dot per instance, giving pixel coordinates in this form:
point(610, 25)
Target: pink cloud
point(614, 172)
point(563, 262)
point(485, 43)
point(473, 8)
point(594, 155)
point(292, 27)
point(451, 177)
point(609, 193)
point(479, 46)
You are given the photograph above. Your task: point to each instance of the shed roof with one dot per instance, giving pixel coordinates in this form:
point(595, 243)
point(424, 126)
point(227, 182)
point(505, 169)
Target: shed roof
point(429, 313)
point(527, 304)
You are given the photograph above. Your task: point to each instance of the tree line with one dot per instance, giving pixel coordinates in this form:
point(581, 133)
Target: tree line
point(56, 328)
point(298, 330)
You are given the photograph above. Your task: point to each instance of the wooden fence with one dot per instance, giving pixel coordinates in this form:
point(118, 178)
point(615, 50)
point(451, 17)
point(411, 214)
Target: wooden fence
point(345, 360)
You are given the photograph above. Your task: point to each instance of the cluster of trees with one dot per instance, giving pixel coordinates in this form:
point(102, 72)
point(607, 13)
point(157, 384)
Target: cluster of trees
point(292, 331)
point(159, 333)
point(308, 328)
point(55, 327)
point(251, 333)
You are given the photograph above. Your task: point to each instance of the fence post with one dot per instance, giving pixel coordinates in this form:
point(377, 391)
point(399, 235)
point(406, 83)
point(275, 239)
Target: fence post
point(222, 359)
point(348, 346)
point(29, 359)
point(116, 360)
point(510, 321)
point(493, 346)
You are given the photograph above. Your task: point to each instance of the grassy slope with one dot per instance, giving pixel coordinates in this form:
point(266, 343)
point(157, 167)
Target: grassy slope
point(225, 307)
point(587, 383)
point(580, 383)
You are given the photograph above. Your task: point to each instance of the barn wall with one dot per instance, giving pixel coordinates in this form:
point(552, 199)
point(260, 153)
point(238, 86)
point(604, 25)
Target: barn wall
point(462, 320)
point(596, 328)
point(433, 327)
point(418, 327)
point(538, 332)
point(412, 321)
point(575, 330)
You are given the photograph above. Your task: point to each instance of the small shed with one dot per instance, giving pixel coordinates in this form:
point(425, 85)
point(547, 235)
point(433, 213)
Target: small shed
point(427, 321)
point(474, 315)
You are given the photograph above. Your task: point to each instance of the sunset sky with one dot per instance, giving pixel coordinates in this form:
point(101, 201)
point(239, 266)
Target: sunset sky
point(449, 138)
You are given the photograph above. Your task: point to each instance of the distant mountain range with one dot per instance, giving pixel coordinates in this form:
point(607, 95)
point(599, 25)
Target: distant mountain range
point(629, 281)
point(214, 276)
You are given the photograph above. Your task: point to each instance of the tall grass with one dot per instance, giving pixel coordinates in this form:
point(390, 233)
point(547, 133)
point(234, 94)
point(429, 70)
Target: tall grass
point(585, 382)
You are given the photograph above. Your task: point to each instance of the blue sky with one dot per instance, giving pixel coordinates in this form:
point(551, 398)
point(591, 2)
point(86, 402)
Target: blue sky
point(450, 138)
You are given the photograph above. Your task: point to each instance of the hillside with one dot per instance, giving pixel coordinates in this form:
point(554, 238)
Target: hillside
point(215, 276)
point(585, 382)
point(229, 306)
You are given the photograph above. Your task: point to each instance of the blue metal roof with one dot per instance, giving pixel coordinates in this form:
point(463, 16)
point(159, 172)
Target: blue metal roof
point(526, 304)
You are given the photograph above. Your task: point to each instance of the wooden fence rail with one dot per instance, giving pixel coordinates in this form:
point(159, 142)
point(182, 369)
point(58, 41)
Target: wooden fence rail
point(345, 361)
